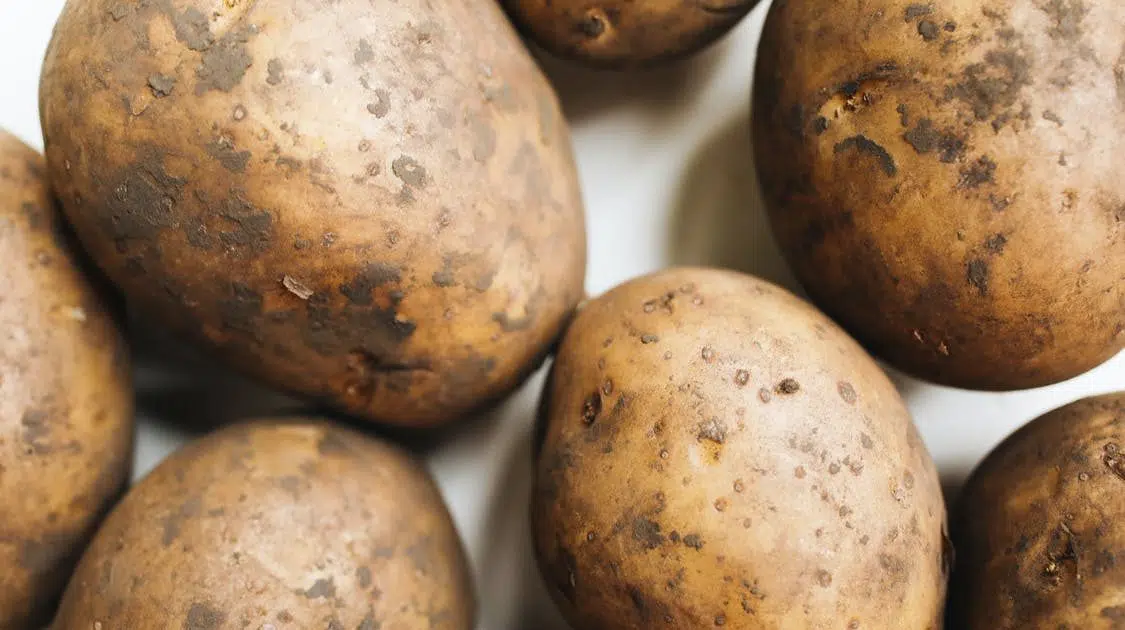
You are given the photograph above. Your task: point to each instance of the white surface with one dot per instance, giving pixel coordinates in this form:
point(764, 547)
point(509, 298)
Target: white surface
point(665, 162)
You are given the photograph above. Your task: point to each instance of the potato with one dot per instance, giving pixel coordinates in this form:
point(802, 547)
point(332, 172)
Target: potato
point(1039, 526)
point(718, 453)
point(353, 204)
point(944, 179)
point(66, 404)
point(626, 33)
point(283, 523)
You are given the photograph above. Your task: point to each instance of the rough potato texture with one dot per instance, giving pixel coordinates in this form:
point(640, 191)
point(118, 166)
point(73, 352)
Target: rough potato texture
point(1039, 527)
point(718, 453)
point(371, 203)
point(66, 403)
point(626, 33)
point(289, 523)
point(944, 178)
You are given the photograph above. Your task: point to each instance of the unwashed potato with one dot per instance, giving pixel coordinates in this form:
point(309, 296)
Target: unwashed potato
point(718, 453)
point(945, 178)
point(1040, 526)
point(626, 33)
point(370, 203)
point(66, 404)
point(282, 523)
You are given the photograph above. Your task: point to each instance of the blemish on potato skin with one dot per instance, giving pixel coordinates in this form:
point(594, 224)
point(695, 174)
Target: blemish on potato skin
point(204, 617)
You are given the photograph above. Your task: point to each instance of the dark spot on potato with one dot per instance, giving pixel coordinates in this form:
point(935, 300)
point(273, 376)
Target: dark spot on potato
point(36, 428)
point(161, 85)
point(369, 623)
point(694, 541)
point(903, 114)
point(1052, 117)
point(996, 243)
point(820, 125)
point(977, 173)
point(866, 441)
point(1114, 460)
point(241, 310)
point(173, 523)
point(1115, 614)
point(382, 104)
point(409, 171)
point(364, 53)
point(284, 616)
point(713, 430)
point(325, 588)
point(741, 378)
point(275, 72)
point(591, 408)
point(764, 395)
point(788, 386)
point(374, 275)
point(192, 29)
point(928, 30)
point(1067, 16)
point(995, 83)
point(977, 274)
point(846, 391)
point(647, 339)
point(203, 617)
point(252, 226)
point(924, 138)
point(647, 532)
point(592, 25)
point(224, 64)
point(363, 577)
point(915, 11)
point(823, 578)
point(865, 146)
point(142, 199)
point(223, 150)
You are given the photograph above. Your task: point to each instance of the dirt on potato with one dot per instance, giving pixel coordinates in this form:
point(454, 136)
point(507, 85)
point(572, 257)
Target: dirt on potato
point(351, 204)
point(943, 178)
point(717, 453)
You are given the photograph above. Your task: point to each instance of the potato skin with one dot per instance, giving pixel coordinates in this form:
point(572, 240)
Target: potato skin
point(1038, 527)
point(943, 178)
point(350, 204)
point(626, 33)
point(718, 453)
point(292, 522)
point(66, 403)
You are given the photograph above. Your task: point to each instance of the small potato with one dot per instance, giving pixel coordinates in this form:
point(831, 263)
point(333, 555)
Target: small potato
point(945, 178)
point(717, 453)
point(66, 401)
point(373, 204)
point(626, 33)
point(1040, 526)
point(284, 523)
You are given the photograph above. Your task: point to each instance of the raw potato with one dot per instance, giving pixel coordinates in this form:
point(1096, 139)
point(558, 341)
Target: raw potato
point(356, 204)
point(1040, 525)
point(287, 523)
point(945, 178)
point(626, 33)
point(718, 453)
point(66, 402)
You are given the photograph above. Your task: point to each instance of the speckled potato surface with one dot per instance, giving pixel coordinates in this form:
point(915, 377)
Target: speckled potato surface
point(626, 33)
point(1040, 525)
point(66, 403)
point(945, 179)
point(284, 523)
point(718, 453)
point(370, 203)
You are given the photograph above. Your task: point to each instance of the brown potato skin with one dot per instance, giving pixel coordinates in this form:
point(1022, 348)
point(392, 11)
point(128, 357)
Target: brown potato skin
point(718, 453)
point(943, 178)
point(292, 522)
point(66, 402)
point(356, 204)
point(626, 33)
point(1038, 527)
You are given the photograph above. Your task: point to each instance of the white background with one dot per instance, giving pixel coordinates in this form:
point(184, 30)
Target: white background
point(665, 162)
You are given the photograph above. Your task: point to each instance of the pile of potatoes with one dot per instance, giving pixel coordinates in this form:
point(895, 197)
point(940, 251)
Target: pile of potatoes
point(374, 207)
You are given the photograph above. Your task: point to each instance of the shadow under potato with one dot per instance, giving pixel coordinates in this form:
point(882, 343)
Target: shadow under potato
point(585, 91)
point(720, 218)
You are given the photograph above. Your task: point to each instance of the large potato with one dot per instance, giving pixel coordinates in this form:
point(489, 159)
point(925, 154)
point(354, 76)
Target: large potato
point(66, 404)
point(945, 178)
point(718, 453)
point(370, 203)
point(1040, 526)
point(625, 33)
point(289, 523)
